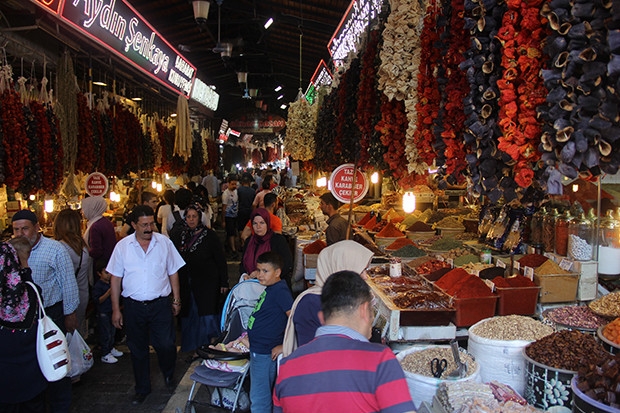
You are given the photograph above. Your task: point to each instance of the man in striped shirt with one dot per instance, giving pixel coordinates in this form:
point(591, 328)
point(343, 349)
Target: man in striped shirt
point(340, 371)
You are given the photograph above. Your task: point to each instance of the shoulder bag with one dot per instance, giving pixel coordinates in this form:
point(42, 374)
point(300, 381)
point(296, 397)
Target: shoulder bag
point(52, 350)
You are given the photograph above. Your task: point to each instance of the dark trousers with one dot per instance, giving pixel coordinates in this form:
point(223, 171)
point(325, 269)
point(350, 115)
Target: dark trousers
point(106, 332)
point(150, 322)
point(35, 405)
point(59, 392)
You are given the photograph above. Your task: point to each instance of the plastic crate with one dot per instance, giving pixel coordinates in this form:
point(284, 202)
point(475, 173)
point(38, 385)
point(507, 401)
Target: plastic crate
point(517, 300)
point(471, 310)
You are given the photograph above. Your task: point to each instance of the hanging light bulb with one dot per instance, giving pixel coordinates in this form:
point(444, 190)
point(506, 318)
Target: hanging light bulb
point(575, 187)
point(408, 202)
point(33, 197)
point(321, 182)
point(153, 184)
point(374, 178)
point(159, 187)
point(49, 205)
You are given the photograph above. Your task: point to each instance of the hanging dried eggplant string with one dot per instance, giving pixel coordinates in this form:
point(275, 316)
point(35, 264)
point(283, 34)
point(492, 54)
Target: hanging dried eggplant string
point(67, 97)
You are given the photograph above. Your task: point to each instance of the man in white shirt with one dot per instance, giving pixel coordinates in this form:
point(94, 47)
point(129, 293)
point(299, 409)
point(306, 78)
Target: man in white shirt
point(144, 268)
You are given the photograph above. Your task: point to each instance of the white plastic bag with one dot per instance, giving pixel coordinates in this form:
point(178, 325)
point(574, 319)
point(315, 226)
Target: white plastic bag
point(81, 355)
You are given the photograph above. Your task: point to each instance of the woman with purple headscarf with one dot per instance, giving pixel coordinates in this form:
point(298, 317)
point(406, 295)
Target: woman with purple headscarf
point(264, 240)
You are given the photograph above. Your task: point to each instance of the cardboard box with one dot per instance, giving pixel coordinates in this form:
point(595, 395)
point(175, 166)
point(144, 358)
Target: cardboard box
point(588, 279)
point(310, 260)
point(557, 288)
point(517, 300)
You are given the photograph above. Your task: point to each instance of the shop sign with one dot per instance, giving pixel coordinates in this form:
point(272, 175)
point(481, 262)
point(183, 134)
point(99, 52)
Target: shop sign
point(341, 183)
point(267, 124)
point(354, 24)
point(204, 95)
point(51, 5)
point(96, 184)
point(121, 29)
point(322, 76)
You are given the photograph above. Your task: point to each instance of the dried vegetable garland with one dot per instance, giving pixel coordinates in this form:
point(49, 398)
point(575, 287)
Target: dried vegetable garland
point(429, 98)
point(195, 164)
point(14, 138)
point(346, 145)
point(32, 172)
point(581, 115)
point(392, 127)
point(400, 66)
point(86, 145)
point(300, 130)
point(521, 88)
point(213, 153)
point(453, 157)
point(51, 161)
point(67, 99)
point(367, 97)
point(483, 69)
point(324, 156)
point(45, 150)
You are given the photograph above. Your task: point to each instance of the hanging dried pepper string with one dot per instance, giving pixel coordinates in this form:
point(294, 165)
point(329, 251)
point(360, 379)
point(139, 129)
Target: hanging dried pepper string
point(14, 138)
point(521, 87)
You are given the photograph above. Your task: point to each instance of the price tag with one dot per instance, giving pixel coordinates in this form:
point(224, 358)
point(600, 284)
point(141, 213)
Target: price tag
point(441, 258)
point(500, 263)
point(566, 264)
point(517, 265)
point(490, 284)
point(529, 273)
point(450, 262)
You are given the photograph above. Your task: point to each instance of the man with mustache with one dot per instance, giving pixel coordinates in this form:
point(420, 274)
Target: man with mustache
point(144, 268)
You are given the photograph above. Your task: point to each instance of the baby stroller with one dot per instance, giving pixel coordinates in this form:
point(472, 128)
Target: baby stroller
point(227, 382)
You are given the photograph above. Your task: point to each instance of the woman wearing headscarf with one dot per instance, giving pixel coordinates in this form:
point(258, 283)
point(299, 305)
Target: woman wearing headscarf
point(203, 280)
point(264, 240)
point(68, 230)
point(304, 319)
point(22, 384)
point(100, 235)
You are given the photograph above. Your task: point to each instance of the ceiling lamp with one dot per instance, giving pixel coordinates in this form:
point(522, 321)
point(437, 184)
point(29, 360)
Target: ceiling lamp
point(242, 77)
point(268, 23)
point(253, 92)
point(278, 88)
point(201, 11)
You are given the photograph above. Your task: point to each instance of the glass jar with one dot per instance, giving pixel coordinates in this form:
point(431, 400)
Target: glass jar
point(580, 239)
point(549, 231)
point(486, 223)
point(609, 245)
point(561, 233)
point(536, 227)
point(514, 237)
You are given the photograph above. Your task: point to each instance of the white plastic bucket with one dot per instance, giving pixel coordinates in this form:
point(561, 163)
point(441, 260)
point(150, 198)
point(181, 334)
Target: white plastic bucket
point(500, 360)
point(423, 388)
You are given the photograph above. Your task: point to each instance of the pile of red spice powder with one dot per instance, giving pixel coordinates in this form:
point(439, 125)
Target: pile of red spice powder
point(460, 284)
point(399, 243)
point(372, 222)
point(315, 247)
point(532, 260)
point(365, 219)
point(390, 231)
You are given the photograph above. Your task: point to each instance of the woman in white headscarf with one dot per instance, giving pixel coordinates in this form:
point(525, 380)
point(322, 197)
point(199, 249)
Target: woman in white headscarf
point(304, 318)
point(100, 235)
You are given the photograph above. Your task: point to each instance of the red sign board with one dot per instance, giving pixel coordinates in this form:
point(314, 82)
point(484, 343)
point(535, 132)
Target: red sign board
point(96, 184)
point(51, 5)
point(117, 26)
point(341, 183)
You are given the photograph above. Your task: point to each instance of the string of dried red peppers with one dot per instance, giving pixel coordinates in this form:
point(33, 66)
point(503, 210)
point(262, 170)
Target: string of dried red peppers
point(521, 87)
